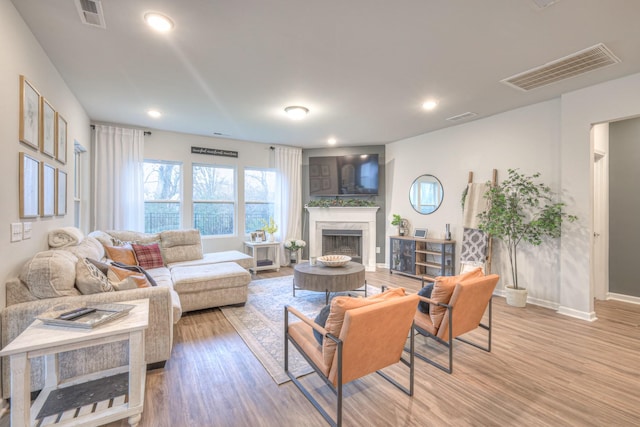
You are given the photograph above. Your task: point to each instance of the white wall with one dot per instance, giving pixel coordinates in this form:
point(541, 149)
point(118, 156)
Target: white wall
point(161, 145)
point(552, 138)
point(20, 54)
point(526, 138)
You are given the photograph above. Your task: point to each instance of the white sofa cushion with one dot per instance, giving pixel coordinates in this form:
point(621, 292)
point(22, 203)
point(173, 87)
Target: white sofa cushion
point(180, 245)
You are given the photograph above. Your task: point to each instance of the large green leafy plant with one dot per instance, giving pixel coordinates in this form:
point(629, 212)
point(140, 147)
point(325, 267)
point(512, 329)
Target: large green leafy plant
point(522, 210)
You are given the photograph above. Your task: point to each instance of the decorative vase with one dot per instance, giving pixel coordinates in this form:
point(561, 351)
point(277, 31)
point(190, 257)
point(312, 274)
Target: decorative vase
point(516, 297)
point(293, 256)
point(400, 231)
point(272, 237)
point(447, 232)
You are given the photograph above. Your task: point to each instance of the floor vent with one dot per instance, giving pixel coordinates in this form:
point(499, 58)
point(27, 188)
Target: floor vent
point(582, 62)
point(91, 13)
point(462, 116)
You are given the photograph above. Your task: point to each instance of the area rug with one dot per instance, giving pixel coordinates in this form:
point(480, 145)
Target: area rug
point(260, 322)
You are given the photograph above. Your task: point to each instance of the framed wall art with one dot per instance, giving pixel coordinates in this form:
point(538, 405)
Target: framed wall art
point(29, 195)
point(61, 139)
point(61, 193)
point(47, 189)
point(29, 113)
point(47, 128)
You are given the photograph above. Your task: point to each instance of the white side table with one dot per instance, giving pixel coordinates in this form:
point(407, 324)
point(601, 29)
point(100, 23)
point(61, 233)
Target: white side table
point(268, 250)
point(45, 340)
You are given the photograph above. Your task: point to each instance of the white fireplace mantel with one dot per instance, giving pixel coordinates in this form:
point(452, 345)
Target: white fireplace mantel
point(360, 218)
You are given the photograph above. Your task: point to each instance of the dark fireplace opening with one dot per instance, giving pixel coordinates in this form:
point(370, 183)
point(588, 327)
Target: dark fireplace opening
point(343, 242)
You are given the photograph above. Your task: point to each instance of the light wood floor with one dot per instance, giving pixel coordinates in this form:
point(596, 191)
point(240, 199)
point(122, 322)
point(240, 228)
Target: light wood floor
point(545, 369)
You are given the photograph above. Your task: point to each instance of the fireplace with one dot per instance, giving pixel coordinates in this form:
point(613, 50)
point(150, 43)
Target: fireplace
point(342, 242)
point(352, 222)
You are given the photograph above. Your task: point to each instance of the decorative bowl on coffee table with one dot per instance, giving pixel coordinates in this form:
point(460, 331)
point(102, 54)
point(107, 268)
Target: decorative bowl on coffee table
point(334, 260)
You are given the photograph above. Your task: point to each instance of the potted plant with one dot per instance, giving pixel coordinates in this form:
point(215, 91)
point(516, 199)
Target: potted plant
point(521, 210)
point(400, 223)
point(293, 246)
point(270, 228)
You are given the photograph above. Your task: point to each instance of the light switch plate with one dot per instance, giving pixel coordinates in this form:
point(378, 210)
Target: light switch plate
point(26, 230)
point(16, 231)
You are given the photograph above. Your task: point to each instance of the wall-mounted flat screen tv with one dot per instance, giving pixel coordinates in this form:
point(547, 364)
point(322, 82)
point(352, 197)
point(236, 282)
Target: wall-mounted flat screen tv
point(350, 175)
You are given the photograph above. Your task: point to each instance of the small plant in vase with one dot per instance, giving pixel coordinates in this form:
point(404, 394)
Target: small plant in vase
point(270, 228)
point(293, 246)
point(400, 223)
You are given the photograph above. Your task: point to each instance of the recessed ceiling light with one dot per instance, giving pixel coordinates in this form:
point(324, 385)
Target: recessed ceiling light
point(332, 141)
point(154, 113)
point(430, 104)
point(296, 112)
point(158, 21)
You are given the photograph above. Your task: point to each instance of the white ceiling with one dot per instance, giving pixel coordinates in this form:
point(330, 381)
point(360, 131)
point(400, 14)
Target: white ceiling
point(362, 67)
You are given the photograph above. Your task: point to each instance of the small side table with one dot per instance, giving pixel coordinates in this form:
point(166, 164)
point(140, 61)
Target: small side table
point(271, 252)
point(48, 341)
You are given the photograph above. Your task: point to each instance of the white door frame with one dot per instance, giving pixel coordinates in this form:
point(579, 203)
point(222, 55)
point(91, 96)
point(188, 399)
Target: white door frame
point(600, 241)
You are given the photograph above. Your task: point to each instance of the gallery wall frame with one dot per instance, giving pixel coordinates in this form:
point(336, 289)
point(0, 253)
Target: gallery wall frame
point(47, 128)
point(47, 189)
point(29, 183)
point(29, 128)
point(61, 139)
point(61, 192)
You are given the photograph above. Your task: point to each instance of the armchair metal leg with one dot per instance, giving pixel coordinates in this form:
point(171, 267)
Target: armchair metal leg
point(410, 364)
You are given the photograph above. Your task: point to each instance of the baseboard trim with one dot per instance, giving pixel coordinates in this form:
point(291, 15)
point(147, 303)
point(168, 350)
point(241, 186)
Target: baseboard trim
point(623, 298)
point(582, 315)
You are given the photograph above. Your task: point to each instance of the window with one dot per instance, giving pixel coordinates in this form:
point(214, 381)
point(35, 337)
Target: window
point(214, 199)
point(162, 183)
point(259, 197)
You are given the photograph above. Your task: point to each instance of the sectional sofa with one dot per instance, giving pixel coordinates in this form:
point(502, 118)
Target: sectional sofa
point(184, 279)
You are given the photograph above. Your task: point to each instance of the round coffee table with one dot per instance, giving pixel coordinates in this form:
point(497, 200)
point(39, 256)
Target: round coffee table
point(320, 278)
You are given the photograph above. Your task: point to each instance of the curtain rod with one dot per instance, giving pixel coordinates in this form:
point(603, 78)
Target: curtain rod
point(146, 132)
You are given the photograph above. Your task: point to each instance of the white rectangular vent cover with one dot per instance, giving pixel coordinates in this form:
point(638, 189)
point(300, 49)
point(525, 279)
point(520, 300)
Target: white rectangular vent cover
point(586, 60)
point(462, 116)
point(91, 13)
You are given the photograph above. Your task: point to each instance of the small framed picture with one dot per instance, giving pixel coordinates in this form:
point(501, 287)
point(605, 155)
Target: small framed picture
point(29, 113)
point(29, 169)
point(47, 128)
point(420, 233)
point(61, 139)
point(61, 193)
point(260, 236)
point(47, 189)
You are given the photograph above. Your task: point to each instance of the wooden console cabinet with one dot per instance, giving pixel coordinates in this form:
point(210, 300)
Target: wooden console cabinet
point(422, 258)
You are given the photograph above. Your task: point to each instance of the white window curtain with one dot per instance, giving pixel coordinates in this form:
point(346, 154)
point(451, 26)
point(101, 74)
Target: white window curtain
point(288, 209)
point(118, 191)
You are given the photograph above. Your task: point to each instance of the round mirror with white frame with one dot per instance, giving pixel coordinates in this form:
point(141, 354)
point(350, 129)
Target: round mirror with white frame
point(426, 194)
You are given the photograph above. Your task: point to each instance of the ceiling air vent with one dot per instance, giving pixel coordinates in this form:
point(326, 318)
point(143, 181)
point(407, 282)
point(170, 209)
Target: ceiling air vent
point(462, 116)
point(91, 13)
point(586, 60)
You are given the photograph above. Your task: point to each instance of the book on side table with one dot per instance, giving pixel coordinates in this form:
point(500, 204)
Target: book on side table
point(84, 317)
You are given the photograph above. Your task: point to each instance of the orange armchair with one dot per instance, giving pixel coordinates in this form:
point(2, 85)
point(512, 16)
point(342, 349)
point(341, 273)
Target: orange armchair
point(462, 313)
point(362, 336)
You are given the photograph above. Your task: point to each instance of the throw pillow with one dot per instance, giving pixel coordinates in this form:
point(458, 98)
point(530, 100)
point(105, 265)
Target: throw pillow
point(102, 266)
point(321, 319)
point(123, 254)
point(148, 256)
point(89, 278)
point(137, 269)
point(125, 285)
point(117, 275)
point(442, 291)
point(425, 292)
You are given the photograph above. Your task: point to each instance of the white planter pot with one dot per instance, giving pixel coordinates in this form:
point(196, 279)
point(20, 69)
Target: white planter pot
point(516, 297)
